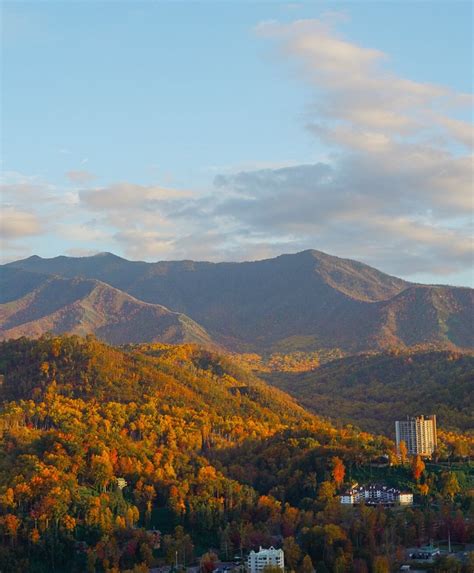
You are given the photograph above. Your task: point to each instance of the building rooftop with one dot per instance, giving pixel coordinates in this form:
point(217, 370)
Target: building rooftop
point(373, 487)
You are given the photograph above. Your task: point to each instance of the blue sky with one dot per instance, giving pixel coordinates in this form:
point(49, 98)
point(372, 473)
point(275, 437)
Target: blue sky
point(225, 131)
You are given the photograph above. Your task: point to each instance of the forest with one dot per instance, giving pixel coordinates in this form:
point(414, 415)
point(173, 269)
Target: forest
point(120, 459)
point(368, 389)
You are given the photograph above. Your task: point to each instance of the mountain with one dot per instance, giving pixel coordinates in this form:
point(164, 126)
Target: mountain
point(309, 300)
point(134, 458)
point(127, 459)
point(48, 303)
point(372, 391)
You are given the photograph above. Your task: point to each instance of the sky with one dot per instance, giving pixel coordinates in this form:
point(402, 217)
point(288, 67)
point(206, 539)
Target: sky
point(240, 131)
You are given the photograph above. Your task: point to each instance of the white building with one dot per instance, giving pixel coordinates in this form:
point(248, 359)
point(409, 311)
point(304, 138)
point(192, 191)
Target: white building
point(375, 494)
point(258, 560)
point(405, 498)
point(419, 435)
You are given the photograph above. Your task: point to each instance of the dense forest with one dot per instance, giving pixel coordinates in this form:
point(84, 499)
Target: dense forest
point(373, 390)
point(120, 459)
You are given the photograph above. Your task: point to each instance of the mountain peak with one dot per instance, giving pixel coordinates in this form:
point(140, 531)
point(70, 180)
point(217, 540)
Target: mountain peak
point(106, 255)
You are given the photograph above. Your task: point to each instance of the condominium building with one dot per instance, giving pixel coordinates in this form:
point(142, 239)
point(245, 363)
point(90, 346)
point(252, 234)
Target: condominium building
point(258, 560)
point(375, 494)
point(419, 435)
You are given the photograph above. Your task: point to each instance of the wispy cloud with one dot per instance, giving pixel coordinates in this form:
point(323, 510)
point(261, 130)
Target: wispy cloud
point(399, 184)
point(354, 91)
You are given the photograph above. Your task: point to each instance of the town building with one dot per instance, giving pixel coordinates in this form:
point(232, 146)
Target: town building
point(419, 435)
point(375, 494)
point(258, 560)
point(428, 553)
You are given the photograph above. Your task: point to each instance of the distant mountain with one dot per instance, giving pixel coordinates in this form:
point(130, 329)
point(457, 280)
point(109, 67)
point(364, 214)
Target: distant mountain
point(81, 306)
point(309, 300)
point(372, 391)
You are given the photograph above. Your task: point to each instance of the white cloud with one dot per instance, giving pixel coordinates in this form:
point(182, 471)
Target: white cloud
point(15, 223)
point(83, 232)
point(144, 243)
point(353, 86)
point(128, 196)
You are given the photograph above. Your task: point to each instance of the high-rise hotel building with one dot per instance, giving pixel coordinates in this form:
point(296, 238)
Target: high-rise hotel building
point(419, 435)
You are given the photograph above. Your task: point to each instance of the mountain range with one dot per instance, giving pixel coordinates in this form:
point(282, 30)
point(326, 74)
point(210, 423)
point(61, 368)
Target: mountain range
point(308, 300)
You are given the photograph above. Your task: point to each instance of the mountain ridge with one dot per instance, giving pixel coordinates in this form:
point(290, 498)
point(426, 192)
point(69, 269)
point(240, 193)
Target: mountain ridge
point(88, 306)
point(331, 301)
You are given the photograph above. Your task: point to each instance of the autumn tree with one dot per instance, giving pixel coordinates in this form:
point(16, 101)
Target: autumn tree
point(403, 451)
point(326, 491)
point(292, 552)
point(208, 562)
point(338, 470)
point(306, 565)
point(381, 565)
point(11, 523)
point(450, 485)
point(417, 467)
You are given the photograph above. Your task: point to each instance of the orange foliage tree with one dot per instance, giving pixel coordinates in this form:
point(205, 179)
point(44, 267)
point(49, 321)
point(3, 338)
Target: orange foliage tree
point(417, 467)
point(338, 470)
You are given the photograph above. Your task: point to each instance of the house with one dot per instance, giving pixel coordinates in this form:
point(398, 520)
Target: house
point(258, 560)
point(427, 553)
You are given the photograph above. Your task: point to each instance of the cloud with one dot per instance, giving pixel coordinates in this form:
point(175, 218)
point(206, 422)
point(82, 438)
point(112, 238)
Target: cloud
point(29, 193)
point(81, 252)
point(397, 189)
point(394, 188)
point(30, 208)
point(140, 219)
point(83, 232)
point(15, 223)
point(80, 176)
point(460, 130)
point(144, 243)
point(128, 196)
point(354, 92)
point(404, 213)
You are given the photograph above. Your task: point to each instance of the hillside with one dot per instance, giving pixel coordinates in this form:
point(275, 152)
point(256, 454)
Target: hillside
point(372, 391)
point(122, 460)
point(186, 376)
point(305, 301)
point(86, 306)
